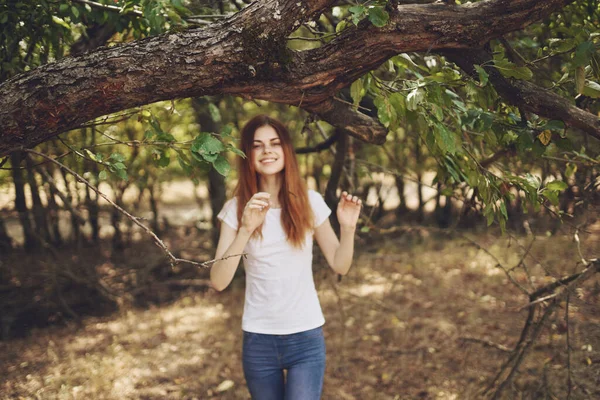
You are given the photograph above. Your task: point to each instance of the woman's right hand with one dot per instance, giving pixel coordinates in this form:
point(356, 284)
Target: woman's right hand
point(255, 211)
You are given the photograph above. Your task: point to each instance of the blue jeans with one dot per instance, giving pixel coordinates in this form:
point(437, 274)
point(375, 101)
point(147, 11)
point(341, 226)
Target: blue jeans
point(302, 354)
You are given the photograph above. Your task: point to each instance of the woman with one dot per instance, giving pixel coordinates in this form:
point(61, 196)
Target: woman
point(272, 219)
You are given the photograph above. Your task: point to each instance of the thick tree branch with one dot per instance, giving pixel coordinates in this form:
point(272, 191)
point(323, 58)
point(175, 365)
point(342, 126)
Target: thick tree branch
point(245, 55)
point(527, 95)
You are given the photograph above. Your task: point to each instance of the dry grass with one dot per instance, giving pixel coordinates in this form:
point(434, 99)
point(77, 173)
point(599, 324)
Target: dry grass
point(393, 331)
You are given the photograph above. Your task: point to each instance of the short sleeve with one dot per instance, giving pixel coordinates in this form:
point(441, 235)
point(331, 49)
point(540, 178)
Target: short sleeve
point(320, 209)
point(229, 213)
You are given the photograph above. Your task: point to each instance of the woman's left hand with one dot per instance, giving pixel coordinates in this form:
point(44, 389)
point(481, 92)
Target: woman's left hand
point(348, 210)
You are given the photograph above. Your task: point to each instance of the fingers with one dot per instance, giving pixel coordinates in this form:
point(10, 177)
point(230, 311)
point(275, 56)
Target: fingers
point(350, 198)
point(260, 201)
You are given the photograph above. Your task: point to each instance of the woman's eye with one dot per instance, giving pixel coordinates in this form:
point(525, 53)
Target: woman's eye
point(276, 144)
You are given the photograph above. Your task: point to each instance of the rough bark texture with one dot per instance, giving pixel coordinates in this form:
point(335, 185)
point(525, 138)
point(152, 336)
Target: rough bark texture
point(246, 55)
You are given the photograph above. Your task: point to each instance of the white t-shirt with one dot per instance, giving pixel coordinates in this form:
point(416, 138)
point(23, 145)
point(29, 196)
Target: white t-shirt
point(280, 291)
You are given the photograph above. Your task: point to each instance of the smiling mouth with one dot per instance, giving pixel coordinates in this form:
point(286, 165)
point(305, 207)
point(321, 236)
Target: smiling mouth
point(268, 160)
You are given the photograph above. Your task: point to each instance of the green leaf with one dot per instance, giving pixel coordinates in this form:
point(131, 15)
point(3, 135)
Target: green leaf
point(414, 98)
point(61, 22)
point(222, 165)
point(483, 76)
point(102, 175)
point(206, 143)
point(583, 53)
point(341, 26)
point(358, 13)
point(215, 114)
point(557, 186)
point(164, 160)
point(570, 170)
point(503, 210)
point(591, 89)
point(75, 11)
point(356, 91)
point(511, 70)
point(117, 157)
point(119, 165)
point(365, 229)
point(551, 196)
point(533, 181)
point(237, 151)
point(210, 157)
point(385, 112)
point(226, 130)
point(378, 16)
point(561, 45)
point(445, 140)
point(121, 173)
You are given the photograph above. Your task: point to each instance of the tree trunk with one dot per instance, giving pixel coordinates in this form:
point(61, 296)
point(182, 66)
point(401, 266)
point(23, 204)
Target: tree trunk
point(216, 181)
point(337, 170)
point(92, 201)
point(38, 209)
point(401, 210)
point(75, 230)
point(30, 239)
point(421, 207)
point(5, 240)
point(53, 210)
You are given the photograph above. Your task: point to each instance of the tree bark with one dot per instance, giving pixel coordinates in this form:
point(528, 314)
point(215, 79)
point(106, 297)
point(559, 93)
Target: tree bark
point(247, 55)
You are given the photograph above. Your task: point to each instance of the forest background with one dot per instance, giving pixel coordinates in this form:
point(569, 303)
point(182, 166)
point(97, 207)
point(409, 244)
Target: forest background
point(470, 130)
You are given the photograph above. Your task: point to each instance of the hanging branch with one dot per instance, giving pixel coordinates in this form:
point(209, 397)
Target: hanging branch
point(136, 220)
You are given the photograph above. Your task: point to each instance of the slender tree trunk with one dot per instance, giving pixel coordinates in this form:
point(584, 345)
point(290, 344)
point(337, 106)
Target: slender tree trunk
point(418, 157)
point(20, 203)
point(5, 240)
point(92, 202)
point(75, 230)
point(401, 209)
point(53, 211)
point(38, 209)
point(153, 205)
point(216, 181)
point(337, 170)
point(115, 219)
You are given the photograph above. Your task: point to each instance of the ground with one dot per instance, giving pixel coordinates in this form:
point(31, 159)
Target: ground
point(418, 317)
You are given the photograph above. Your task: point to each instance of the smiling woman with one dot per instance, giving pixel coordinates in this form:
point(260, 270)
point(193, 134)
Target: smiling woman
point(273, 219)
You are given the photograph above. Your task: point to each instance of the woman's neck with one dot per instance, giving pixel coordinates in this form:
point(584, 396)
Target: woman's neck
point(272, 185)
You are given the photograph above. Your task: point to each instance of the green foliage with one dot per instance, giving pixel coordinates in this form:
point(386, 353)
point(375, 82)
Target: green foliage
point(33, 33)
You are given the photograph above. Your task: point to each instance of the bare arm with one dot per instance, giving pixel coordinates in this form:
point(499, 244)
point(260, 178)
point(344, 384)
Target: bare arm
point(339, 253)
point(230, 242)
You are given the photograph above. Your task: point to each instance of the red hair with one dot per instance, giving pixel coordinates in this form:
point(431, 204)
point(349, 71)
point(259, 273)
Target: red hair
point(296, 214)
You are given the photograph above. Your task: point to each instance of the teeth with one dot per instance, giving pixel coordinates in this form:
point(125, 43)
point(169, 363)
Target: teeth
point(268, 160)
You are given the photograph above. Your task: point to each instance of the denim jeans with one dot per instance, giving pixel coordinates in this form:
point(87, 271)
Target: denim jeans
point(302, 354)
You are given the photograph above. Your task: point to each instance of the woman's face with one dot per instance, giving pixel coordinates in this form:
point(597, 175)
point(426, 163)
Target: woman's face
point(267, 151)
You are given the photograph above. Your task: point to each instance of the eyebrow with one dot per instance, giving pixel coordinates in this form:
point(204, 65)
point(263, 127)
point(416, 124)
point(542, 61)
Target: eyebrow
point(270, 140)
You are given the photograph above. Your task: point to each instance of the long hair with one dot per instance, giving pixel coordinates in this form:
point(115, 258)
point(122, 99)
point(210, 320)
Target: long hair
point(296, 214)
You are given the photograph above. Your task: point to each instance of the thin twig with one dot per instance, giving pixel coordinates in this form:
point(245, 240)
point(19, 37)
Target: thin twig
point(485, 342)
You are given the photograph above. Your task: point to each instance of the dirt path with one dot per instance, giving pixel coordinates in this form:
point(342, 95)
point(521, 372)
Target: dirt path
point(398, 327)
